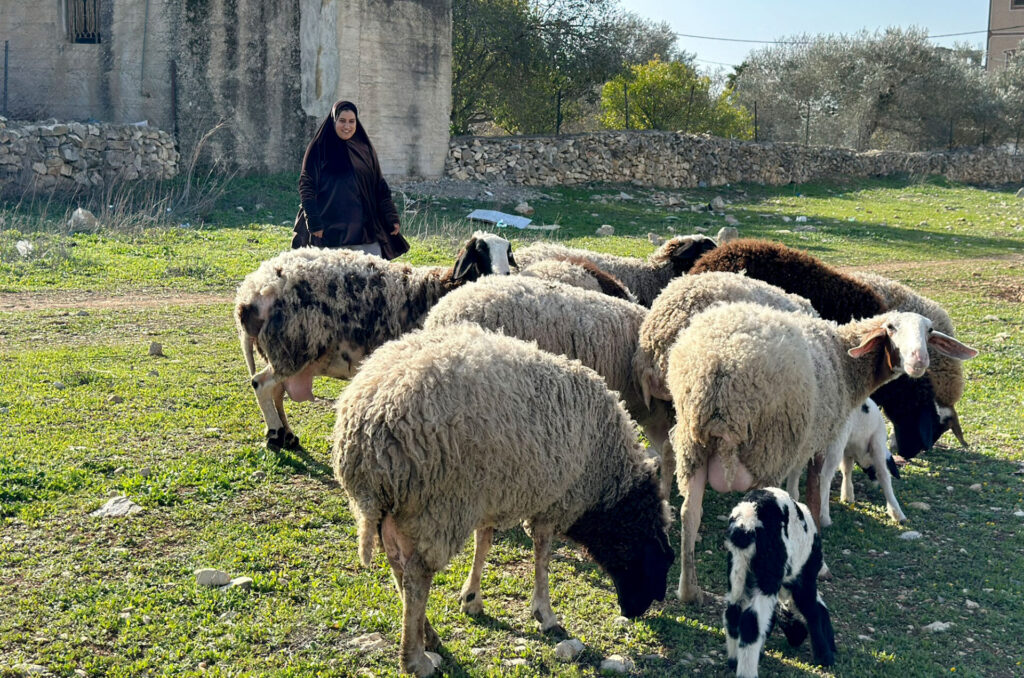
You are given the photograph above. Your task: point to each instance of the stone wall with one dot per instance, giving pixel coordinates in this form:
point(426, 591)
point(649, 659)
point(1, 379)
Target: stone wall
point(674, 160)
point(72, 156)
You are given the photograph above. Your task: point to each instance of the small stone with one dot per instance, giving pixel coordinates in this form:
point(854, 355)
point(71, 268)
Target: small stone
point(847, 552)
point(920, 506)
point(655, 239)
point(240, 208)
point(82, 221)
point(617, 664)
point(479, 651)
point(82, 314)
point(727, 233)
point(259, 476)
point(866, 639)
point(949, 488)
point(212, 578)
point(156, 348)
point(244, 583)
point(203, 666)
point(910, 535)
point(145, 471)
point(1019, 513)
point(990, 319)
point(976, 487)
point(801, 220)
point(518, 661)
point(81, 673)
point(971, 605)
point(605, 229)
point(717, 203)
point(152, 373)
point(117, 507)
point(937, 627)
point(786, 219)
point(31, 669)
point(568, 650)
point(624, 196)
point(59, 385)
point(524, 208)
point(731, 220)
point(621, 621)
point(371, 642)
point(115, 399)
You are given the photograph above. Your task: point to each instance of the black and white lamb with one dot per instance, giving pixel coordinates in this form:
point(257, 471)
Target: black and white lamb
point(774, 554)
point(671, 313)
point(759, 392)
point(865, 443)
point(312, 312)
point(644, 277)
point(910, 404)
point(457, 429)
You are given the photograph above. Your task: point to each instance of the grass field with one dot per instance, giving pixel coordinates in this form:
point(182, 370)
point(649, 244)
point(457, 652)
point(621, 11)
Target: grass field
point(86, 413)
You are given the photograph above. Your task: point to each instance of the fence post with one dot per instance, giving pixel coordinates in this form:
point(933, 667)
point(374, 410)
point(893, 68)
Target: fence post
point(625, 99)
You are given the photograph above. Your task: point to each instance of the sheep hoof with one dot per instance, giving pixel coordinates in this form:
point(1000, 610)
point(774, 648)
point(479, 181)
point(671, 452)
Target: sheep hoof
point(283, 439)
point(693, 596)
point(556, 631)
point(418, 665)
point(471, 603)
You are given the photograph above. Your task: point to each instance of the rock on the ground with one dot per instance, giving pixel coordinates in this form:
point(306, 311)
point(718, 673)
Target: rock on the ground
point(937, 627)
point(244, 583)
point(605, 229)
point(370, 642)
point(117, 507)
point(971, 605)
point(976, 487)
point(207, 576)
point(920, 506)
point(524, 209)
point(156, 348)
point(655, 239)
point(616, 663)
point(731, 220)
point(518, 661)
point(568, 650)
point(717, 203)
point(910, 535)
point(82, 221)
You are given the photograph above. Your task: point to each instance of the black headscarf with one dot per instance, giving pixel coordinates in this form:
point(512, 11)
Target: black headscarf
point(329, 150)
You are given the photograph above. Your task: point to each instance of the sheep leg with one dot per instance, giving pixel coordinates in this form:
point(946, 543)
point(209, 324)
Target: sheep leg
point(793, 483)
point(833, 457)
point(753, 626)
point(395, 559)
point(470, 598)
point(540, 606)
point(416, 579)
point(846, 466)
point(690, 515)
point(656, 427)
point(892, 507)
point(269, 389)
point(819, 624)
point(814, 488)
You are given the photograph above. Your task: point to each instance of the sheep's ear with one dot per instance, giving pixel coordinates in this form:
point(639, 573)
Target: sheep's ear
point(653, 386)
point(467, 260)
point(511, 260)
point(948, 346)
point(870, 343)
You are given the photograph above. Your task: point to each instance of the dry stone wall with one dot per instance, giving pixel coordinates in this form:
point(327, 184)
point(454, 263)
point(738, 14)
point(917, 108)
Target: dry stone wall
point(74, 155)
point(674, 160)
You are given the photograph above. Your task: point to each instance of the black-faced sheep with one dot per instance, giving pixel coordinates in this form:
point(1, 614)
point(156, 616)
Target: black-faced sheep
point(759, 392)
point(910, 405)
point(671, 313)
point(774, 554)
point(312, 312)
point(449, 431)
point(645, 278)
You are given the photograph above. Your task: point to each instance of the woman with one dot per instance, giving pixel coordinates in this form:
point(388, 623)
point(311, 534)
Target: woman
point(345, 200)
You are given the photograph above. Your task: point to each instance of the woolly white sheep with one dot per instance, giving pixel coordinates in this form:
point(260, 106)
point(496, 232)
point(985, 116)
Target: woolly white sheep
point(774, 554)
point(312, 312)
point(645, 278)
point(448, 431)
point(946, 376)
point(579, 272)
point(759, 392)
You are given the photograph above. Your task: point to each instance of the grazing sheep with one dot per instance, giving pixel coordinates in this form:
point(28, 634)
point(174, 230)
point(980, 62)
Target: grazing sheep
point(645, 278)
point(773, 562)
point(864, 435)
point(758, 392)
point(579, 272)
point(671, 313)
point(909, 404)
point(312, 312)
point(448, 431)
point(945, 375)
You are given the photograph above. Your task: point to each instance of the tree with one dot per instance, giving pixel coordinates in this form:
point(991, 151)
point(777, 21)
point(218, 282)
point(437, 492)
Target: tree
point(670, 95)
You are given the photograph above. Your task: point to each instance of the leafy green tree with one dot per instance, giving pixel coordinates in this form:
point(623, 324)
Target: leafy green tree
point(671, 95)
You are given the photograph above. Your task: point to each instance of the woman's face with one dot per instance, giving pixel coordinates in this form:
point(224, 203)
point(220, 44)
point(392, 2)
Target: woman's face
point(345, 125)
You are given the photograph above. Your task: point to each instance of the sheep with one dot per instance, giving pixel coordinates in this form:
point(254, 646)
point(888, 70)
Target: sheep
point(910, 405)
point(579, 272)
point(863, 439)
point(312, 312)
point(759, 392)
point(645, 278)
point(774, 554)
point(447, 431)
point(946, 376)
point(672, 311)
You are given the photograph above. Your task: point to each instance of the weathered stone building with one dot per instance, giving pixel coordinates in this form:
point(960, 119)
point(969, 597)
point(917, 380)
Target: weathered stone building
point(268, 69)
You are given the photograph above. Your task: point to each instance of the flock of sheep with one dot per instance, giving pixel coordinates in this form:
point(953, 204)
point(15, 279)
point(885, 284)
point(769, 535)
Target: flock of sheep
point(481, 400)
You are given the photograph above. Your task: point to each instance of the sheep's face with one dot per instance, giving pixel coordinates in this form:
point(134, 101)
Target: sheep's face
point(484, 254)
point(684, 251)
point(643, 579)
point(905, 339)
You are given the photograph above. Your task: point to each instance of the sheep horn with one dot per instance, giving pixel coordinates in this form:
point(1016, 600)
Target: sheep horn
point(955, 427)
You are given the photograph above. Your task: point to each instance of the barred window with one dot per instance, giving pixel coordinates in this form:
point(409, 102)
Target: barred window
point(83, 21)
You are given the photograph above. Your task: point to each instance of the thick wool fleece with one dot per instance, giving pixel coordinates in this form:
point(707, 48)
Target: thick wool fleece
point(599, 331)
point(945, 374)
point(689, 295)
point(320, 297)
point(645, 278)
point(764, 387)
point(458, 428)
point(835, 295)
point(580, 273)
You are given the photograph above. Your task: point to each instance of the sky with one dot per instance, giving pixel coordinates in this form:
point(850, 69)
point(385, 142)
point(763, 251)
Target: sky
point(773, 19)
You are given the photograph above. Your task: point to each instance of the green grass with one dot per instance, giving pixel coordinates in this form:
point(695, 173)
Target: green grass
point(117, 597)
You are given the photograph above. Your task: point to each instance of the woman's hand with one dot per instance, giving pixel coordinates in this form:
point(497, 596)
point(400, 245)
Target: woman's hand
point(395, 232)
